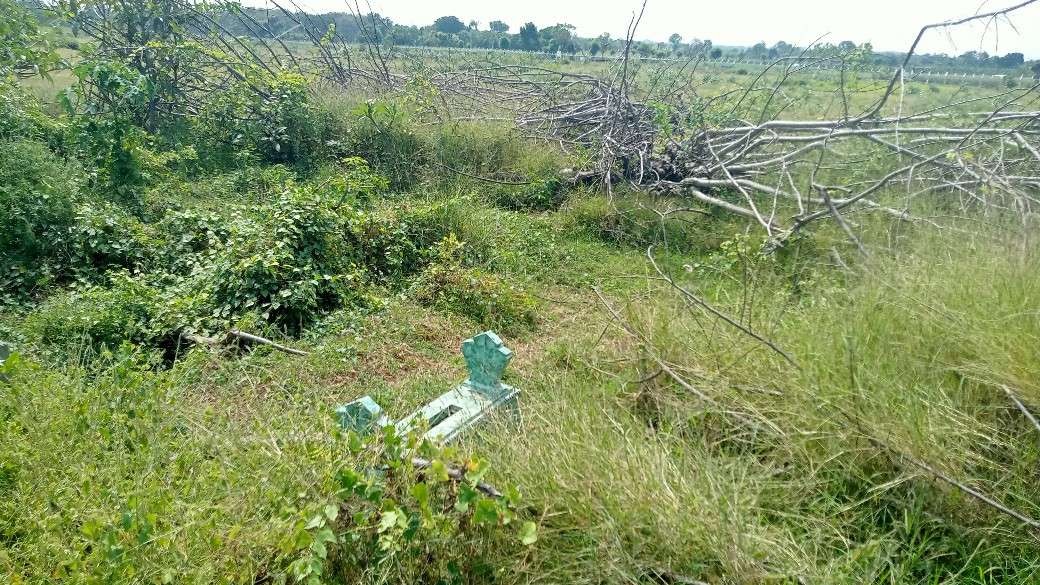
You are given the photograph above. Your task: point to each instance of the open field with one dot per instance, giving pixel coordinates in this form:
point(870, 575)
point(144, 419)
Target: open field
point(714, 389)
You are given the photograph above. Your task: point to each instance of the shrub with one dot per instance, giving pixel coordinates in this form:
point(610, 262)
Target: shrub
point(477, 295)
point(21, 116)
point(543, 193)
point(407, 524)
point(114, 151)
point(80, 324)
point(289, 264)
point(351, 181)
point(382, 136)
point(38, 192)
point(269, 116)
point(105, 237)
point(190, 240)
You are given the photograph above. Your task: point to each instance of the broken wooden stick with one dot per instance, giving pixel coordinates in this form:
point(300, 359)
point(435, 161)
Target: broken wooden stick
point(236, 334)
point(1021, 406)
point(457, 474)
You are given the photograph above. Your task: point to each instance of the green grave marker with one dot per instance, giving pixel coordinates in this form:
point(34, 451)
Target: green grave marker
point(456, 410)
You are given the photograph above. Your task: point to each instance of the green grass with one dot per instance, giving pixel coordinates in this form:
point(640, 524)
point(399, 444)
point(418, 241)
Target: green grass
point(776, 478)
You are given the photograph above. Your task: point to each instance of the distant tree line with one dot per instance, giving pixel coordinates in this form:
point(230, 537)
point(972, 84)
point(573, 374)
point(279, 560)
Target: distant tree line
point(451, 31)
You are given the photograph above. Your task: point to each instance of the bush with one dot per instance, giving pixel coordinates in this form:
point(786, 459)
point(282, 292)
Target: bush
point(105, 237)
point(477, 295)
point(382, 136)
point(278, 124)
point(407, 524)
point(38, 192)
point(115, 151)
point(190, 240)
point(80, 324)
point(542, 193)
point(21, 116)
point(289, 264)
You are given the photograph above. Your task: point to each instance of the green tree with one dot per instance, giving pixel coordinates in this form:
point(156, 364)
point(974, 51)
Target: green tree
point(449, 25)
point(498, 26)
point(559, 37)
point(22, 47)
point(529, 38)
point(675, 40)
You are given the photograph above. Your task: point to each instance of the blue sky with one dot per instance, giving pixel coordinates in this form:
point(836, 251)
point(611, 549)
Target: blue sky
point(887, 24)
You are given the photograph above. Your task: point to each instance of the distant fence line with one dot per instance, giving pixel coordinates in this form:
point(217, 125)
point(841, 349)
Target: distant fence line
point(912, 74)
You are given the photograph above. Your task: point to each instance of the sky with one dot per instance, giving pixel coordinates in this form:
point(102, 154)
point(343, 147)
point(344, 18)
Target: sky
point(889, 25)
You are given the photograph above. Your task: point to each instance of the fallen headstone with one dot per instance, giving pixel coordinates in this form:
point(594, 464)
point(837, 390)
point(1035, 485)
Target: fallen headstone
point(458, 409)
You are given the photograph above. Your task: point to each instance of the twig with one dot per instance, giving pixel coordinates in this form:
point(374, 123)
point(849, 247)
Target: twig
point(458, 474)
point(964, 488)
point(708, 307)
point(1021, 406)
point(264, 341)
point(236, 334)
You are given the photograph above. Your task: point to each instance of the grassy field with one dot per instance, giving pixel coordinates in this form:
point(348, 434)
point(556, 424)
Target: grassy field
point(656, 443)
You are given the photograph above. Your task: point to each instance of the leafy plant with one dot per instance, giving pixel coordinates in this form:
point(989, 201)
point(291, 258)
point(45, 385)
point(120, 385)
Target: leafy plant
point(399, 522)
point(473, 293)
point(269, 115)
point(38, 194)
point(381, 135)
point(23, 46)
point(290, 265)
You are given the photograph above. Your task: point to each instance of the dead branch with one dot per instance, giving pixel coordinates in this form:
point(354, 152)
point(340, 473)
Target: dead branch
point(708, 307)
point(234, 334)
point(458, 475)
point(1021, 407)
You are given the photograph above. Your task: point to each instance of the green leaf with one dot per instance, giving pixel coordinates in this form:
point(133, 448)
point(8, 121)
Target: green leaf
point(421, 493)
point(319, 549)
point(315, 522)
point(467, 495)
point(486, 512)
point(528, 533)
point(388, 520)
point(440, 470)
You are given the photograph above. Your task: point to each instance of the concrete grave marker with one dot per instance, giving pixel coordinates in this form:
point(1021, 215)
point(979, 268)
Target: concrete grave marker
point(456, 410)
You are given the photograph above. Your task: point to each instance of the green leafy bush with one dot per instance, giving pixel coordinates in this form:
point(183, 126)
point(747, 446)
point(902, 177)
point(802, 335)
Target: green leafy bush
point(289, 264)
point(82, 323)
point(22, 117)
point(405, 524)
point(269, 116)
point(382, 135)
point(190, 240)
point(544, 192)
point(38, 193)
point(480, 296)
point(105, 237)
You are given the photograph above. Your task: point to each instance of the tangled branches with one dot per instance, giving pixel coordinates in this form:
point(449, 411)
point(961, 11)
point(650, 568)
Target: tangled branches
point(735, 153)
